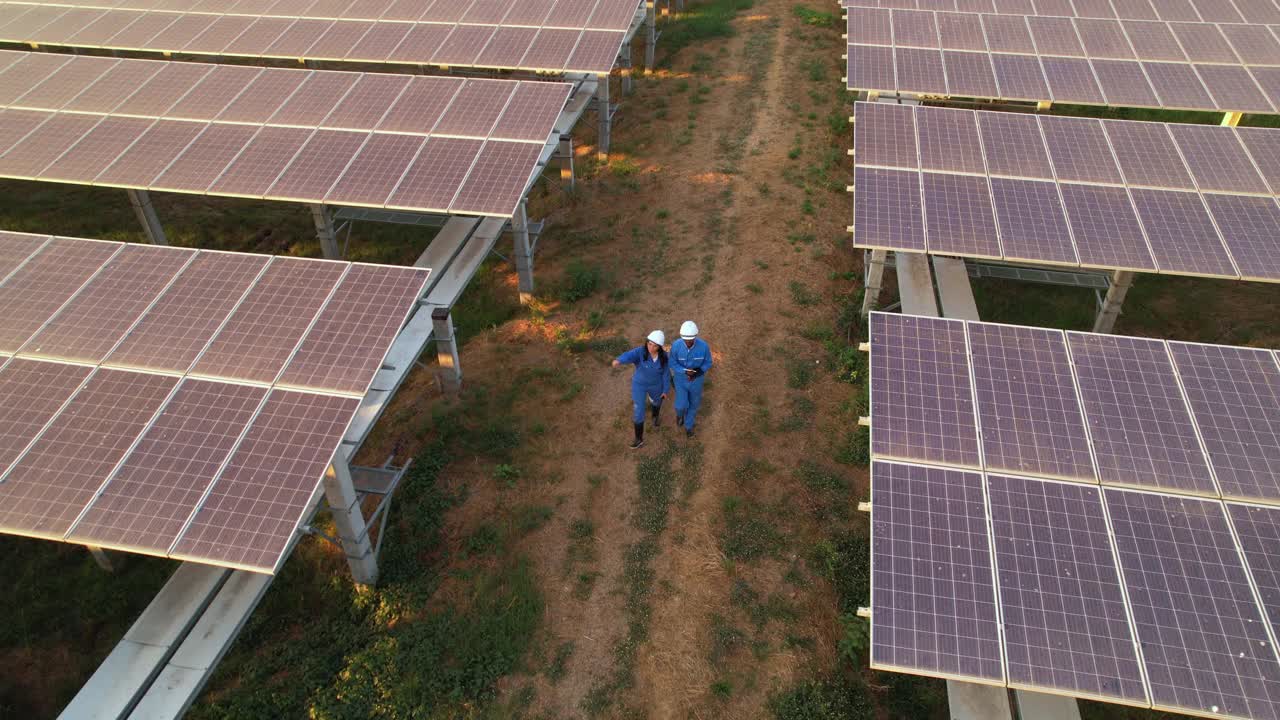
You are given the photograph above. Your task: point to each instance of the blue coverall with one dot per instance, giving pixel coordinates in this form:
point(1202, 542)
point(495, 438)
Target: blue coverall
point(649, 380)
point(689, 392)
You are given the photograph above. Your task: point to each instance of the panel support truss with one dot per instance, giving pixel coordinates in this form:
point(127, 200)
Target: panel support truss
point(873, 276)
point(348, 520)
point(326, 232)
point(523, 253)
point(650, 34)
point(605, 113)
point(1113, 301)
point(564, 151)
point(141, 202)
point(446, 351)
point(624, 65)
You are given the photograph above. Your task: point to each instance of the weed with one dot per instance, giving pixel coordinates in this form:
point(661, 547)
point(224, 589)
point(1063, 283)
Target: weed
point(750, 471)
point(484, 540)
point(581, 280)
point(559, 663)
point(663, 214)
point(818, 478)
point(749, 533)
point(812, 17)
point(817, 72)
point(853, 448)
point(722, 689)
point(763, 189)
point(855, 633)
point(825, 700)
point(762, 265)
point(596, 481)
point(799, 373)
point(725, 639)
point(710, 20)
point(528, 518)
point(582, 529)
point(754, 288)
point(793, 153)
point(806, 207)
point(682, 85)
point(507, 473)
point(802, 295)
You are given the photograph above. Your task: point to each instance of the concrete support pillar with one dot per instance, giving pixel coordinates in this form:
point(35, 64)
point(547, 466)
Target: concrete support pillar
point(874, 276)
point(1231, 119)
point(624, 65)
point(1044, 706)
point(565, 154)
point(325, 232)
point(1120, 282)
point(650, 34)
point(141, 202)
point(606, 119)
point(446, 351)
point(100, 557)
point(971, 701)
point(348, 519)
point(523, 253)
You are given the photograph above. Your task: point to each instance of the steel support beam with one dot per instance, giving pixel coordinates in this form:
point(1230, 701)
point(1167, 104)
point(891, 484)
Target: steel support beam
point(141, 202)
point(446, 351)
point(1110, 310)
point(348, 519)
point(606, 117)
point(873, 276)
point(915, 284)
point(971, 701)
point(523, 253)
point(565, 154)
point(1231, 119)
point(650, 34)
point(1043, 706)
point(624, 68)
point(325, 231)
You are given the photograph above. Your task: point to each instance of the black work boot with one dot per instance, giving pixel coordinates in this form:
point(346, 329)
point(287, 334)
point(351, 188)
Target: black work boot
point(679, 419)
point(656, 422)
point(639, 443)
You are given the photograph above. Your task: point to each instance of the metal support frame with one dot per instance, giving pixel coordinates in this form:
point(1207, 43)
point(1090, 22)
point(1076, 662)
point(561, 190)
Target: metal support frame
point(873, 276)
point(1231, 119)
point(348, 519)
point(450, 374)
point(523, 253)
point(325, 231)
point(625, 69)
point(1110, 310)
point(650, 34)
point(141, 202)
point(100, 556)
point(605, 113)
point(564, 151)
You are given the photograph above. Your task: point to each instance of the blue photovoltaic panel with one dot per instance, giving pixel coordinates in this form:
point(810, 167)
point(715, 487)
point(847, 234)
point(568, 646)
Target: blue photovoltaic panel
point(932, 598)
point(1079, 150)
point(922, 396)
point(1065, 624)
point(1142, 432)
point(885, 134)
point(1235, 396)
point(1013, 146)
point(1248, 227)
point(1027, 407)
point(1032, 225)
point(1105, 227)
point(1182, 237)
point(959, 216)
point(1204, 643)
point(886, 209)
point(1259, 531)
point(949, 140)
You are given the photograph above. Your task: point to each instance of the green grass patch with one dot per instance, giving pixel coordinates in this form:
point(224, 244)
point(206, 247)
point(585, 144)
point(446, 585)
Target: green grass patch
point(700, 23)
point(814, 18)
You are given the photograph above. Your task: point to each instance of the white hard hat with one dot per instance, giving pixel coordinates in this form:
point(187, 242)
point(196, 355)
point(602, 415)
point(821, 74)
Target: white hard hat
point(658, 337)
point(689, 330)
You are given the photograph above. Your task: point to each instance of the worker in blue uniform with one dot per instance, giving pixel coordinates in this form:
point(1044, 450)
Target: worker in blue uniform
point(690, 361)
point(649, 384)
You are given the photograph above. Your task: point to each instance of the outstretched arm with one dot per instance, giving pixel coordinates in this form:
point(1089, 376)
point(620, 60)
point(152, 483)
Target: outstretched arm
point(630, 357)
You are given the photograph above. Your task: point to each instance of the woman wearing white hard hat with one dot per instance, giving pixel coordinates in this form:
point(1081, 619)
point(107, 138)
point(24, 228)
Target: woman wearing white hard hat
point(690, 361)
point(649, 383)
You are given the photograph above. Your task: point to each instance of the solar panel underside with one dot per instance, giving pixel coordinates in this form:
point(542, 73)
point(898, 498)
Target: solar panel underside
point(123, 453)
point(1126, 195)
point(295, 135)
point(1088, 60)
point(571, 36)
point(933, 603)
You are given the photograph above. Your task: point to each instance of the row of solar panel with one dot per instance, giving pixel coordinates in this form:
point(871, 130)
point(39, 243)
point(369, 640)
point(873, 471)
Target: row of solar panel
point(307, 324)
point(1171, 86)
point(164, 465)
point(573, 14)
point(1144, 197)
point(1067, 37)
point(545, 49)
point(1229, 11)
point(1178, 417)
point(421, 105)
point(1119, 595)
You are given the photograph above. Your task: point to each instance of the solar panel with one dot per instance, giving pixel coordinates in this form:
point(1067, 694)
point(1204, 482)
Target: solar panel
point(1258, 530)
point(368, 102)
point(16, 248)
point(913, 28)
point(1143, 434)
point(970, 74)
point(1147, 155)
point(1264, 148)
point(1235, 396)
point(255, 505)
point(138, 166)
point(260, 336)
point(1105, 228)
point(886, 209)
point(1027, 407)
point(91, 323)
point(1253, 44)
point(36, 150)
point(921, 69)
point(1104, 39)
point(205, 159)
point(959, 215)
point(39, 288)
point(1233, 87)
point(314, 99)
point(1020, 77)
point(1065, 623)
point(1013, 146)
point(375, 170)
point(1248, 227)
point(210, 96)
point(871, 68)
point(1072, 80)
point(1216, 159)
point(1079, 150)
point(1205, 644)
point(922, 395)
point(1124, 83)
point(1007, 34)
point(888, 137)
point(1181, 234)
point(433, 179)
point(497, 181)
point(1031, 221)
point(317, 166)
point(948, 140)
point(475, 109)
point(44, 491)
point(533, 108)
point(31, 393)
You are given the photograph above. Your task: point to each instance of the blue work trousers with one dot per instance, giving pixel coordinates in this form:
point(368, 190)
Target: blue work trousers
point(688, 399)
point(643, 397)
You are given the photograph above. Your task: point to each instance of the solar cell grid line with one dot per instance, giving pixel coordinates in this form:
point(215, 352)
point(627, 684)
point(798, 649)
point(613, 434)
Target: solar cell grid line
point(117, 83)
point(1234, 395)
point(1181, 234)
point(1247, 226)
point(44, 490)
point(1066, 624)
point(368, 102)
point(1072, 80)
point(1147, 155)
point(253, 508)
point(1105, 228)
point(375, 170)
point(1216, 159)
point(53, 91)
point(970, 74)
point(1253, 44)
point(1028, 412)
point(45, 144)
point(32, 393)
point(922, 395)
point(959, 215)
point(1124, 82)
point(317, 166)
point(933, 598)
point(1205, 643)
point(435, 175)
point(1033, 227)
point(318, 95)
point(1257, 531)
point(871, 68)
point(1020, 77)
point(498, 179)
point(35, 293)
point(177, 328)
point(887, 212)
point(151, 155)
point(90, 324)
point(1142, 431)
point(148, 500)
point(885, 135)
point(1012, 145)
point(262, 334)
point(16, 249)
point(420, 106)
point(534, 107)
point(351, 337)
point(1264, 148)
point(948, 140)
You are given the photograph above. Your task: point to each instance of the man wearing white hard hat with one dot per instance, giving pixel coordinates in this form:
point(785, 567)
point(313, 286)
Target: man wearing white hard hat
point(649, 382)
point(690, 361)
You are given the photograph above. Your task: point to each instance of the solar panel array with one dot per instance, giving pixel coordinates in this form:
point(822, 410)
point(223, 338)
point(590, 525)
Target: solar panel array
point(539, 35)
point(1117, 194)
point(1092, 60)
point(1212, 11)
point(178, 402)
point(432, 144)
point(1114, 539)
